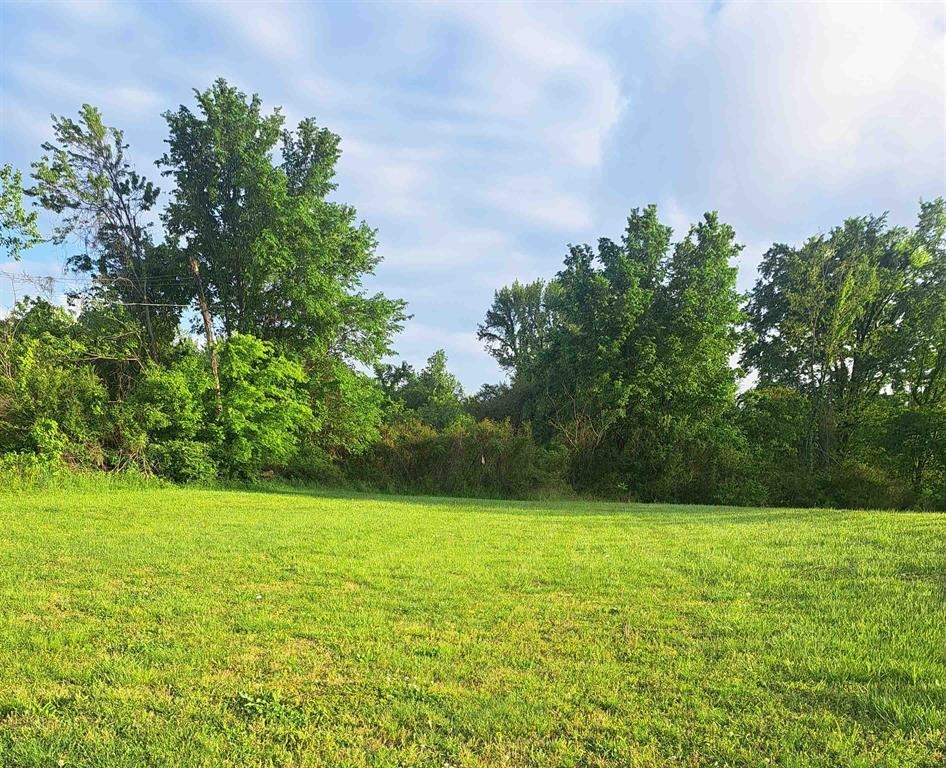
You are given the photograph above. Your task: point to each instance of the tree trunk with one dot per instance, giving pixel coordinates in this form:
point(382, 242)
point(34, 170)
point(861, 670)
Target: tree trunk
point(208, 332)
point(153, 344)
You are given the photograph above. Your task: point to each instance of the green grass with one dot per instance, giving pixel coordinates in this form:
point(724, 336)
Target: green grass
point(180, 627)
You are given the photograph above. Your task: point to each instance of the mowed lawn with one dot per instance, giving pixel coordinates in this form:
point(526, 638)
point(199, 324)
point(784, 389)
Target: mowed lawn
point(180, 627)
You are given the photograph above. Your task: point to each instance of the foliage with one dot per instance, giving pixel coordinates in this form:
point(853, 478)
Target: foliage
point(433, 396)
point(634, 376)
point(171, 407)
point(855, 322)
point(620, 374)
point(265, 407)
point(348, 404)
point(85, 177)
point(18, 227)
point(52, 404)
point(276, 259)
point(467, 458)
point(517, 325)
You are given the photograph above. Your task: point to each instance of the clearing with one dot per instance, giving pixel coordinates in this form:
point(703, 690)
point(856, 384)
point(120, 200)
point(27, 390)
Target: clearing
point(181, 627)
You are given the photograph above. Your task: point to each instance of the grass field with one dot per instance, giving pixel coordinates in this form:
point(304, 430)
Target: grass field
point(181, 627)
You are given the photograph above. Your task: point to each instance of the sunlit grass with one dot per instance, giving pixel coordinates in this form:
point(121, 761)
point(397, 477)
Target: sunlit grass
point(182, 627)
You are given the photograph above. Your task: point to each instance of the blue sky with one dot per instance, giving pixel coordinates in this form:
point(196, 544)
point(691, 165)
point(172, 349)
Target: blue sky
point(481, 139)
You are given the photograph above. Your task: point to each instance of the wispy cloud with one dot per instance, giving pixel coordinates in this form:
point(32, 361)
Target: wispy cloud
point(276, 30)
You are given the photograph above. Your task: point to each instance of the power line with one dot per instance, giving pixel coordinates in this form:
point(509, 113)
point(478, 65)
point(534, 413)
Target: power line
point(46, 283)
point(27, 277)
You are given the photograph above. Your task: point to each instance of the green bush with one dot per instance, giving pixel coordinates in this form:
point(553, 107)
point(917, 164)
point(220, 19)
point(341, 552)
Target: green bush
point(182, 461)
point(51, 401)
point(265, 408)
point(467, 458)
point(858, 485)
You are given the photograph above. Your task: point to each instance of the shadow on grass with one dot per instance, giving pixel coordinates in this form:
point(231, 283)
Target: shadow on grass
point(671, 514)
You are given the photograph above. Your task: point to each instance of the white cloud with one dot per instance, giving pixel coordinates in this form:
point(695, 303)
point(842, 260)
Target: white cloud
point(539, 71)
point(388, 180)
point(787, 117)
point(276, 30)
point(540, 201)
point(464, 351)
point(839, 92)
point(94, 13)
point(120, 100)
point(803, 95)
point(449, 248)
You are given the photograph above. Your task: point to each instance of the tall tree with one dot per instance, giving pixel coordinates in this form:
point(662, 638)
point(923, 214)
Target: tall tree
point(85, 177)
point(689, 435)
point(920, 336)
point(823, 318)
point(915, 434)
point(271, 256)
point(602, 344)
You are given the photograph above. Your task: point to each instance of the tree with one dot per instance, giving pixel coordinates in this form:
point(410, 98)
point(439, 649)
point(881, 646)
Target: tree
point(517, 324)
point(269, 254)
point(699, 314)
point(602, 346)
point(85, 177)
point(51, 401)
point(824, 320)
point(433, 395)
point(265, 407)
point(919, 339)
point(633, 373)
point(18, 228)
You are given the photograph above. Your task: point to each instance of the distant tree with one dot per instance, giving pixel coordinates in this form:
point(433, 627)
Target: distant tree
point(517, 324)
point(514, 401)
point(824, 320)
point(634, 374)
point(18, 227)
point(919, 338)
point(348, 408)
point(433, 395)
point(601, 347)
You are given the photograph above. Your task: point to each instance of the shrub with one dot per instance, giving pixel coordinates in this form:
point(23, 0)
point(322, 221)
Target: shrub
point(182, 460)
point(265, 407)
point(51, 401)
point(467, 458)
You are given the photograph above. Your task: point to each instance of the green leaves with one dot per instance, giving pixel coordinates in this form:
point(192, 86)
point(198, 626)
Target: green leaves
point(627, 352)
point(18, 227)
point(278, 260)
point(517, 325)
point(434, 395)
point(265, 406)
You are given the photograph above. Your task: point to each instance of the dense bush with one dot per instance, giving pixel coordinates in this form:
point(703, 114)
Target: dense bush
point(467, 458)
point(51, 401)
point(265, 407)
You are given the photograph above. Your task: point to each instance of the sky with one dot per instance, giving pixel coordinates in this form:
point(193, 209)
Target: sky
point(480, 139)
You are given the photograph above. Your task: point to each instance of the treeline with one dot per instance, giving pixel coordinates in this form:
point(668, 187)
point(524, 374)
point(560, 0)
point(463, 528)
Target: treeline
point(628, 358)
point(222, 331)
